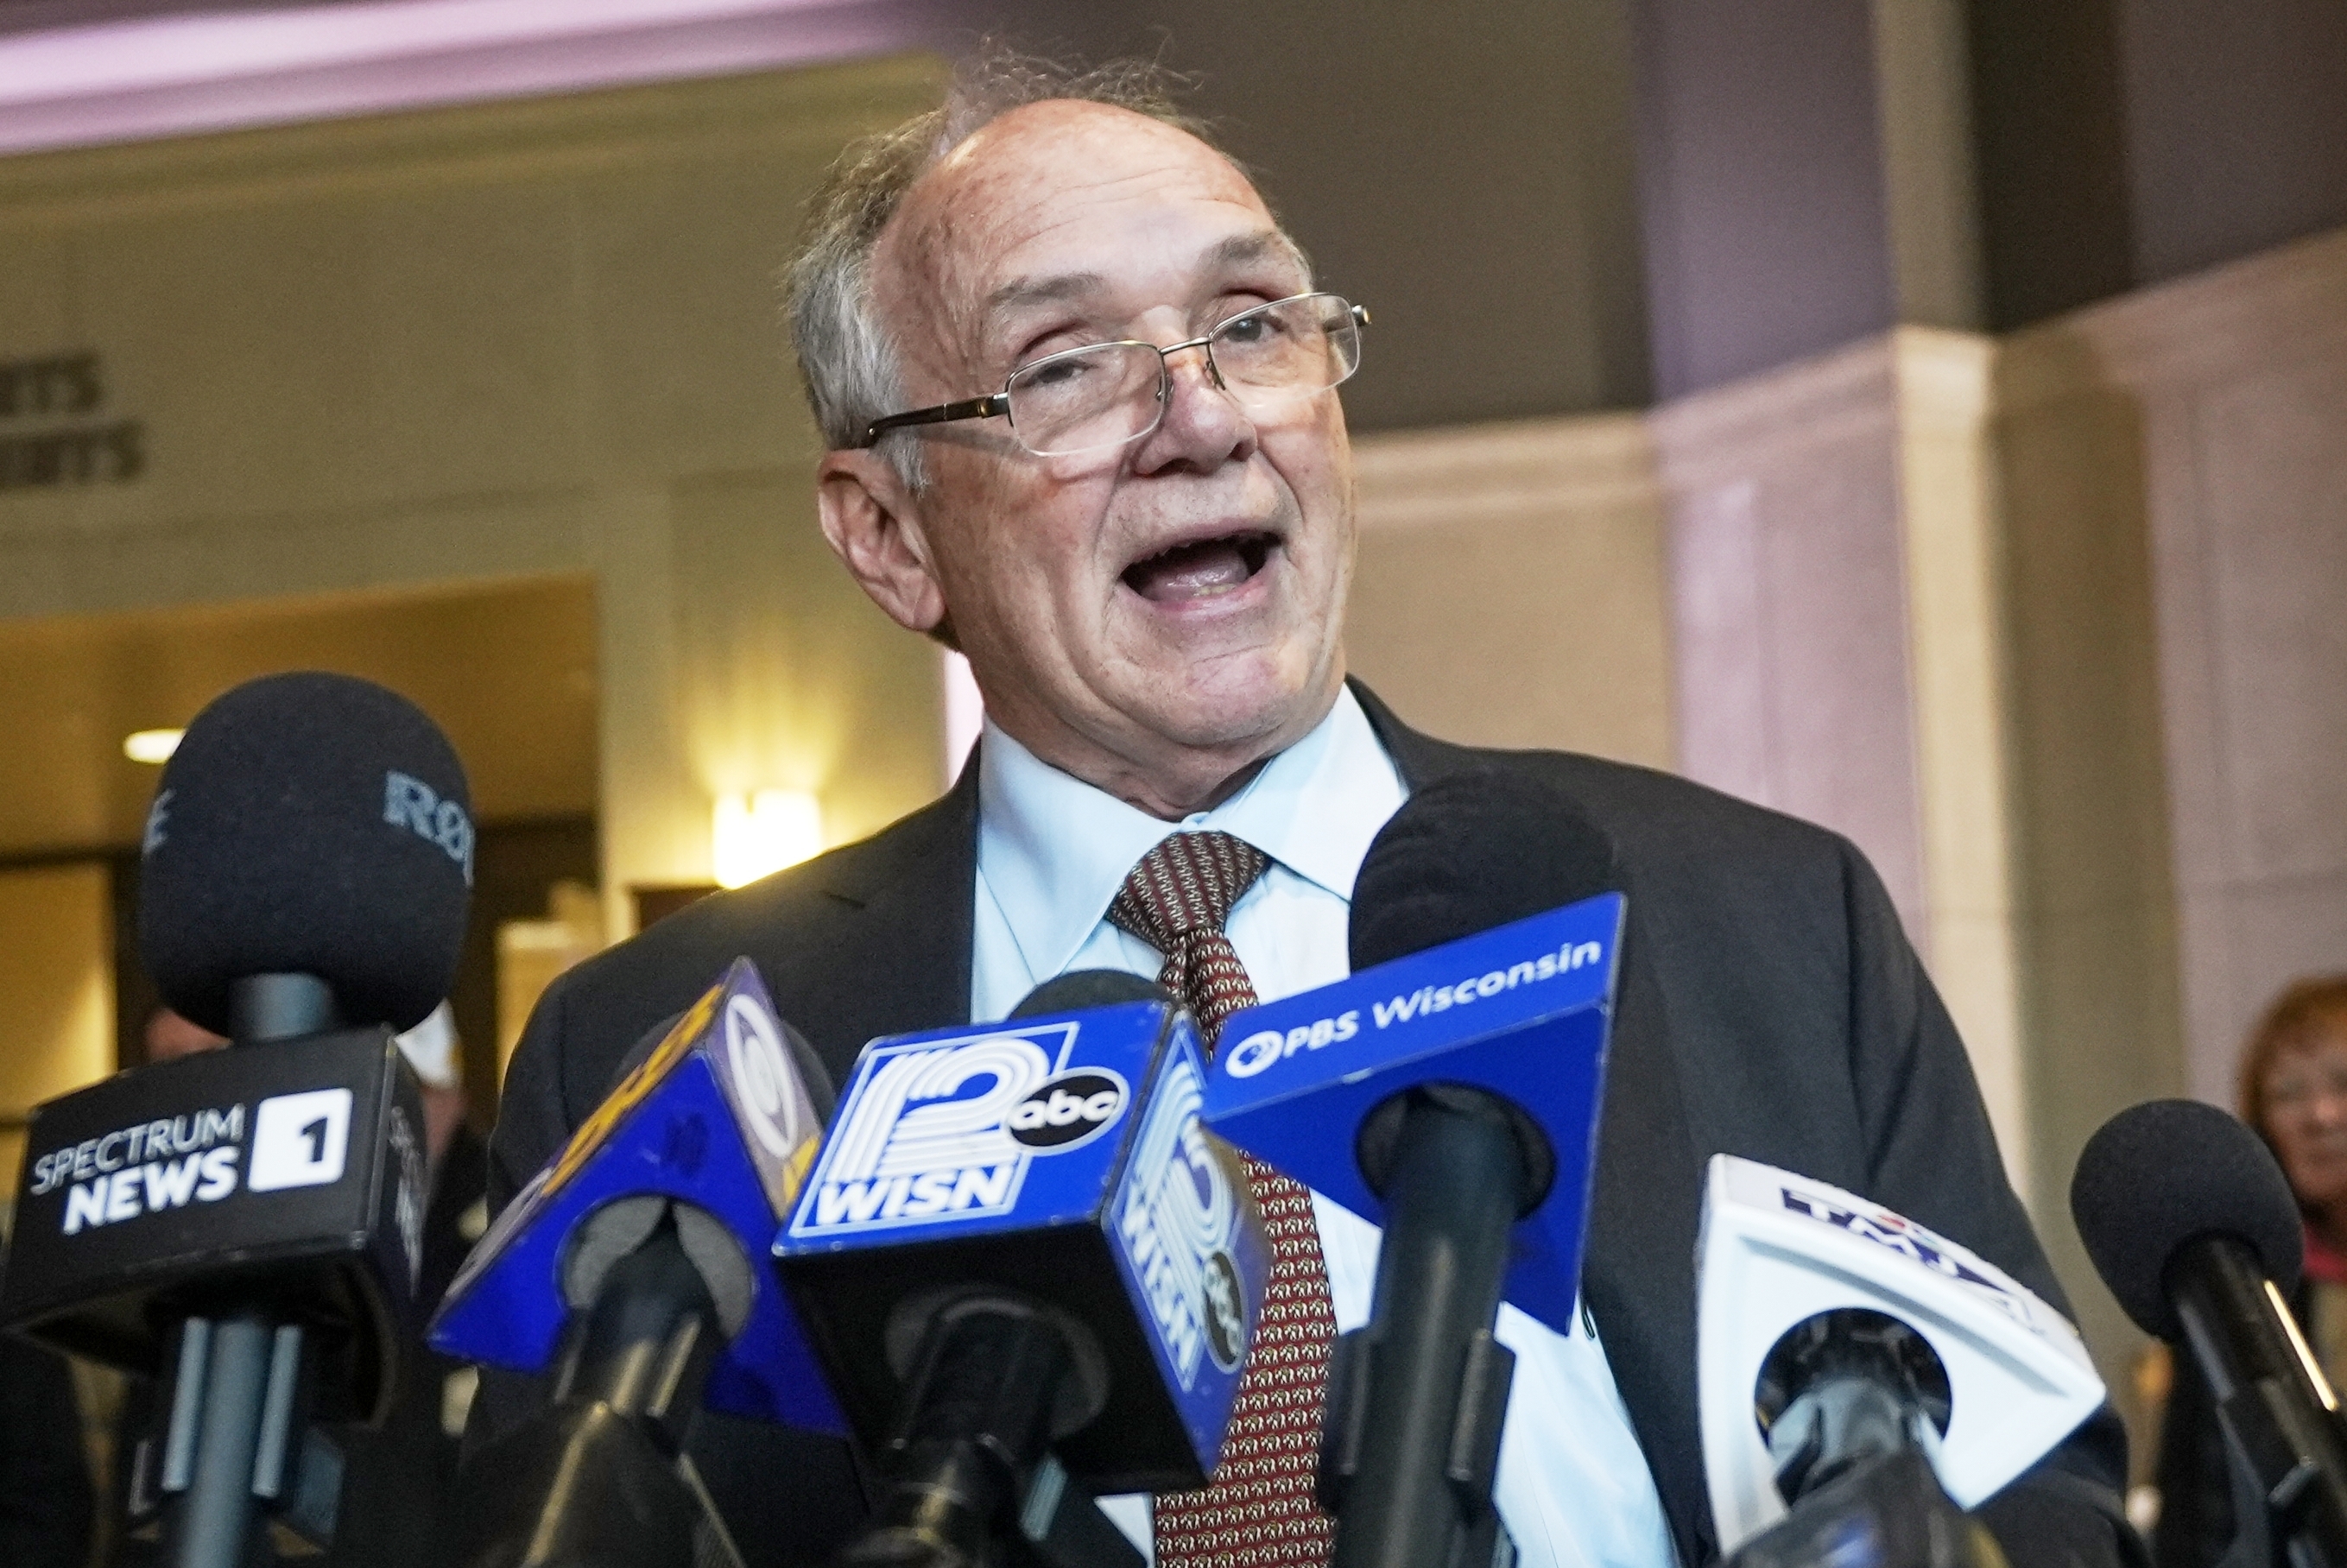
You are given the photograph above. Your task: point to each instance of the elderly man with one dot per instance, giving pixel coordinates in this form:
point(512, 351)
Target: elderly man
point(1081, 398)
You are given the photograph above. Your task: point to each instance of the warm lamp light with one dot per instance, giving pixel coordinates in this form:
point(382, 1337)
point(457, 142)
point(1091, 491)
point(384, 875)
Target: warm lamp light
point(151, 745)
point(756, 835)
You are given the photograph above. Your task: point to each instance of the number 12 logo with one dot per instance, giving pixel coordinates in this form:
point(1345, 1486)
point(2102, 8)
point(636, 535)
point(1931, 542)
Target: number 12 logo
point(299, 1139)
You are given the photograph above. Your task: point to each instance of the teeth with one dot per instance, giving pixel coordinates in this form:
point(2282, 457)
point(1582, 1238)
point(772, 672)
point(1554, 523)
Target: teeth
point(1203, 569)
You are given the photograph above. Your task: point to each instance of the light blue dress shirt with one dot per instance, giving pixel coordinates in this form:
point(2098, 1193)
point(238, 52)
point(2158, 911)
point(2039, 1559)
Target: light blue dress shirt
point(1573, 1486)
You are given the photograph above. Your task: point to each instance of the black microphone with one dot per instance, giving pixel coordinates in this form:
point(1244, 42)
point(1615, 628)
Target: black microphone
point(1080, 990)
point(1424, 1385)
point(247, 1223)
point(308, 857)
point(1032, 1272)
point(2192, 1225)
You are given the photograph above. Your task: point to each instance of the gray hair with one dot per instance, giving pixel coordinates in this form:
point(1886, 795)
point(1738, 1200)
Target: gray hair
point(846, 358)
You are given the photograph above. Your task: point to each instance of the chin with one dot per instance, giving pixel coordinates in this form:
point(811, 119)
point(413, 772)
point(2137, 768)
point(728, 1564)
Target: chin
point(1216, 708)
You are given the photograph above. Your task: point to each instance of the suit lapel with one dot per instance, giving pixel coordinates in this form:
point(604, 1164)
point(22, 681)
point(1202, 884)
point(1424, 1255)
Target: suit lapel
point(894, 952)
point(1638, 1272)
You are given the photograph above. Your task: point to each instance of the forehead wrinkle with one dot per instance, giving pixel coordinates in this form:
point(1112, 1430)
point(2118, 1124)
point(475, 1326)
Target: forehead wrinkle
point(989, 185)
point(1234, 250)
point(1027, 291)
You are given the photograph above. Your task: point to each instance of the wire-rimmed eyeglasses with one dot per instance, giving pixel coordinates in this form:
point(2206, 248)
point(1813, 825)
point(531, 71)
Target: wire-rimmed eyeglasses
point(1107, 393)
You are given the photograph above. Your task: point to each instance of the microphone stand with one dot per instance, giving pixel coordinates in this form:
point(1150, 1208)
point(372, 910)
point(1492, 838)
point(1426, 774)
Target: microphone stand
point(2281, 1417)
point(233, 1403)
point(1851, 1436)
point(599, 1479)
point(973, 1478)
point(1417, 1398)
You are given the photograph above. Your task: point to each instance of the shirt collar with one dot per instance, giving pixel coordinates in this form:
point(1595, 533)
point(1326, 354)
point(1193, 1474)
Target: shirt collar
point(1053, 850)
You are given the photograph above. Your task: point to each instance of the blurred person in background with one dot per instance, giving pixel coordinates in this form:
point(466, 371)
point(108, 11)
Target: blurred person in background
point(2293, 1090)
point(396, 1477)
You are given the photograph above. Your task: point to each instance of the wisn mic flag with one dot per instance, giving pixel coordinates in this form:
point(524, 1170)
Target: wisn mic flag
point(1061, 1158)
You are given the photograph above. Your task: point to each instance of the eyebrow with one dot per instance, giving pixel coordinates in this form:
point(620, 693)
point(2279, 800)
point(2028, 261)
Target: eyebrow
point(1235, 250)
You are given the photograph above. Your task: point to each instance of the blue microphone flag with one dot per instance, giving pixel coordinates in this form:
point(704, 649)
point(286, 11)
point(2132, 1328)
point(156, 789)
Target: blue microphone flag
point(1062, 1156)
point(717, 1117)
point(1522, 1009)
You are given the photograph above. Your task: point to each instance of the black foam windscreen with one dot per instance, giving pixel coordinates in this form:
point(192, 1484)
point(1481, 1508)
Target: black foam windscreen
point(1080, 988)
point(308, 824)
point(1469, 852)
point(2158, 1175)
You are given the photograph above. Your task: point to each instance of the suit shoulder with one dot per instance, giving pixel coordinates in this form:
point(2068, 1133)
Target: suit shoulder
point(660, 971)
point(1653, 811)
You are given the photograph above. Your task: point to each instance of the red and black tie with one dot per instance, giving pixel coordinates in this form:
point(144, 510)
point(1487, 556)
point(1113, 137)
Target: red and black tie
point(1257, 1510)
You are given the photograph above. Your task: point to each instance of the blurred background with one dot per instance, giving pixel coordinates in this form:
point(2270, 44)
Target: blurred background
point(1928, 417)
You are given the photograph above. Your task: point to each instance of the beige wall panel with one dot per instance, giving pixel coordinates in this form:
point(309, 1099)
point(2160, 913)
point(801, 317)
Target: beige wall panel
point(2099, 982)
point(787, 675)
point(470, 300)
point(77, 571)
point(1952, 527)
point(655, 818)
point(1510, 591)
point(239, 335)
point(490, 663)
point(2275, 461)
point(689, 362)
point(36, 314)
point(57, 994)
point(428, 350)
point(1791, 623)
point(2238, 379)
point(2269, 888)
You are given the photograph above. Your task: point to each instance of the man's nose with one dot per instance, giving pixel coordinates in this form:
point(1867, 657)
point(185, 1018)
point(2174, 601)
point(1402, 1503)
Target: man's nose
point(1203, 422)
point(1199, 357)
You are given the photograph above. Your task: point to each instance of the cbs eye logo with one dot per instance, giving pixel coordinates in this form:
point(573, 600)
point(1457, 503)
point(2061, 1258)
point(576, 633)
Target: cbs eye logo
point(1066, 1111)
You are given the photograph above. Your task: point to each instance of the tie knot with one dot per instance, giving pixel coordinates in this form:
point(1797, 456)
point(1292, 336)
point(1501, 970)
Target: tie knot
point(1187, 884)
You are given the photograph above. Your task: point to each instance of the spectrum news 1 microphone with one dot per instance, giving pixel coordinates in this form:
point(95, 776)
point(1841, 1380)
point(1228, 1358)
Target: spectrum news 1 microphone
point(634, 1268)
point(1448, 1089)
point(247, 1224)
point(1032, 1271)
point(1862, 1379)
point(2192, 1225)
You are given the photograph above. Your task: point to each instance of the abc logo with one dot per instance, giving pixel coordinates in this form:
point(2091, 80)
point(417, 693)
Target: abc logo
point(1069, 1110)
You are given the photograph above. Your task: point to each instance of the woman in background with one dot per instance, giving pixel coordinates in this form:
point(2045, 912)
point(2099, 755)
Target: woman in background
point(2293, 1090)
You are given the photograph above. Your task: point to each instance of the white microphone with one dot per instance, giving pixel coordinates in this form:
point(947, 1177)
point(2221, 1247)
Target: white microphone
point(2003, 1377)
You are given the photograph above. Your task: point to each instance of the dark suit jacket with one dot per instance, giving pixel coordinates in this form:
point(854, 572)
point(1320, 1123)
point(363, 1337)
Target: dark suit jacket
point(47, 1506)
point(1772, 1007)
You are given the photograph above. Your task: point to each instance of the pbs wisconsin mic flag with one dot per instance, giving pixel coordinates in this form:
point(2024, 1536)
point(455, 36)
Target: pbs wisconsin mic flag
point(717, 1117)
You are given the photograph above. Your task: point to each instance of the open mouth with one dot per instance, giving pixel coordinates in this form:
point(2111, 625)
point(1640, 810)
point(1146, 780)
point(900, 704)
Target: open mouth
point(1202, 569)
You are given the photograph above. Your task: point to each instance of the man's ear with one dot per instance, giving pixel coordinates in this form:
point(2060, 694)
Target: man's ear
point(873, 523)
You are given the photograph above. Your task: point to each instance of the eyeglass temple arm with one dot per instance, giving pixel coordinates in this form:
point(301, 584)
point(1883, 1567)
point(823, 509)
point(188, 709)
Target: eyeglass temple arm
point(995, 405)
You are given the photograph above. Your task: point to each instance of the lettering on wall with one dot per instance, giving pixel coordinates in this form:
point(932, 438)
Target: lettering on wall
point(52, 429)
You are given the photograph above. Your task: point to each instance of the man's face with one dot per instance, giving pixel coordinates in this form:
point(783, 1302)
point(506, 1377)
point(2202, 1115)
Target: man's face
point(1183, 593)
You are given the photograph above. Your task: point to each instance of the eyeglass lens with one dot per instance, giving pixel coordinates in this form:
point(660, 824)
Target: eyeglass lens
point(1110, 394)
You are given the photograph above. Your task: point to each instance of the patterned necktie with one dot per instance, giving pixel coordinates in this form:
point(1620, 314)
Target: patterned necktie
point(1257, 1510)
